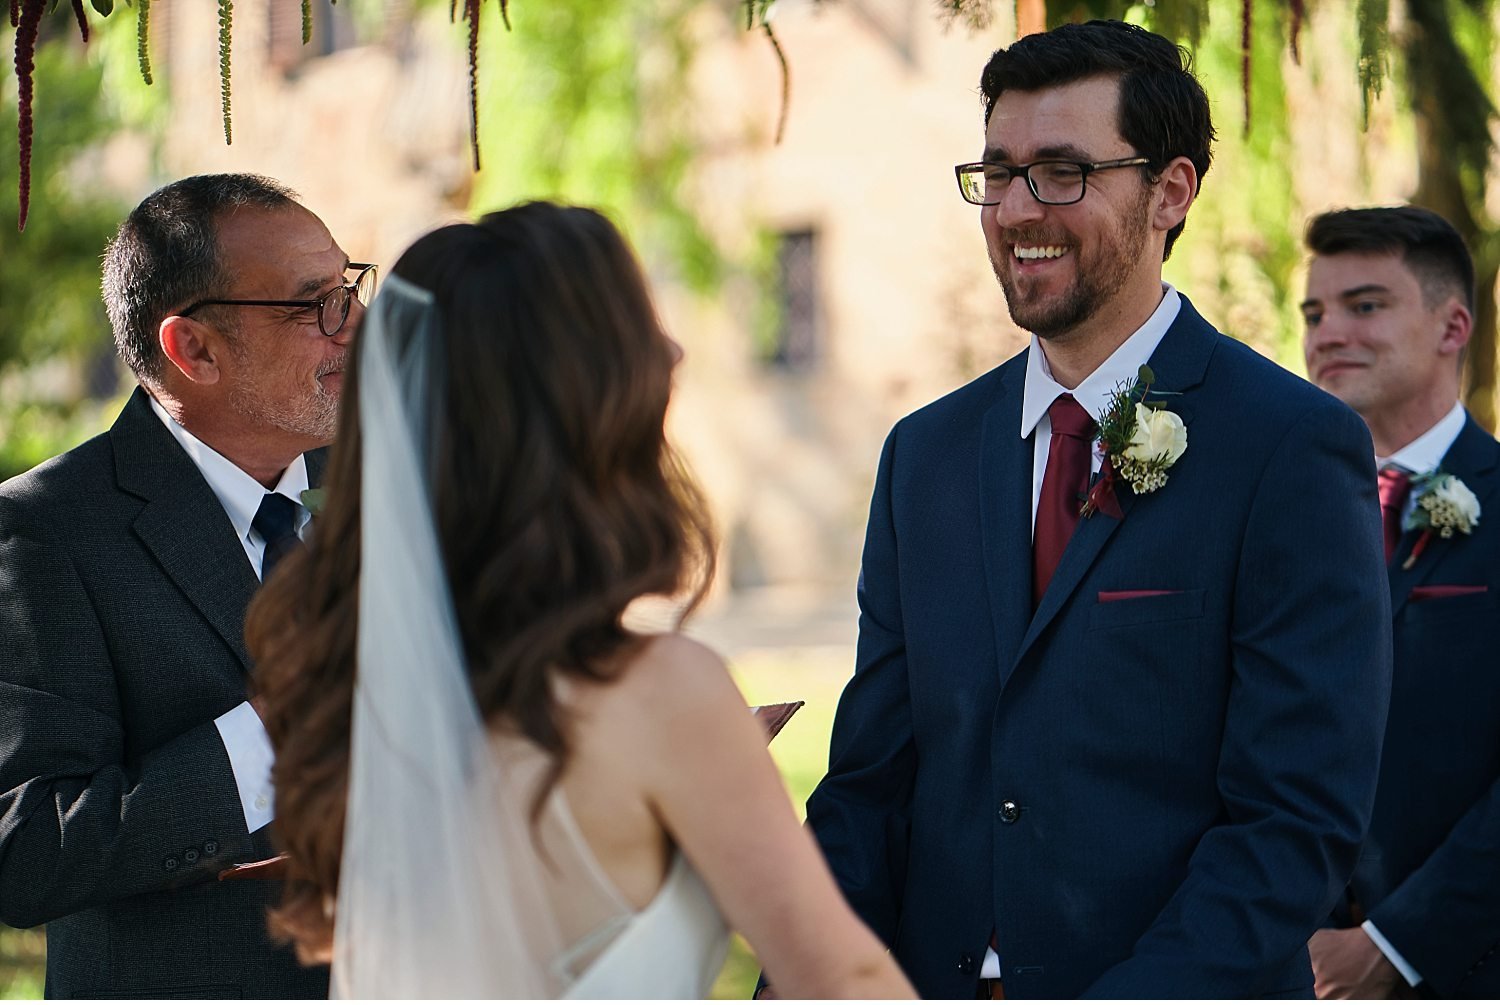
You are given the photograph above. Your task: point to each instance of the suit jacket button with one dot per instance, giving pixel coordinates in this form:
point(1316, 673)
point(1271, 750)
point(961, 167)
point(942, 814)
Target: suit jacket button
point(966, 964)
point(1009, 812)
point(190, 856)
point(170, 863)
point(210, 847)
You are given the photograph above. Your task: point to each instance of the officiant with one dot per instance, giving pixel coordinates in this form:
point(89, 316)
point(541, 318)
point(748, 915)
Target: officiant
point(133, 770)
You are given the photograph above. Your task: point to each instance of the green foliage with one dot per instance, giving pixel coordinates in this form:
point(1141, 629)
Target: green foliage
point(1373, 18)
point(226, 35)
point(22, 959)
point(50, 311)
point(584, 101)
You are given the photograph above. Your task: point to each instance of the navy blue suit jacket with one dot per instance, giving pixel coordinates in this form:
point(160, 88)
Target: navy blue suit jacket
point(1149, 797)
point(1429, 874)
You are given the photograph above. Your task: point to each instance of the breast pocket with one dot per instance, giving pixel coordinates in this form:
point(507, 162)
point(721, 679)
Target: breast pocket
point(1122, 608)
point(1446, 603)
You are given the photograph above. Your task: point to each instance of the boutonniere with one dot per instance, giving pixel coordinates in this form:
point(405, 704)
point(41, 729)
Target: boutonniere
point(1140, 442)
point(313, 499)
point(1444, 504)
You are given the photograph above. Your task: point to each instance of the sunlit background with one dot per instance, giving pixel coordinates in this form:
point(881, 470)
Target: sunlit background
point(822, 286)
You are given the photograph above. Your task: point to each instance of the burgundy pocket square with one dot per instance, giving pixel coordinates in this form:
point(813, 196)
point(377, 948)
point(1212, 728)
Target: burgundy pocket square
point(1420, 593)
point(1111, 596)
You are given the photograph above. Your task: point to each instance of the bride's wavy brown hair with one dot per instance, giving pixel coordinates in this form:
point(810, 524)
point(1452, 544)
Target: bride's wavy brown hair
point(557, 501)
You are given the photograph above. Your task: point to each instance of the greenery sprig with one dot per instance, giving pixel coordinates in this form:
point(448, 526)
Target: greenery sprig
point(1139, 444)
point(226, 35)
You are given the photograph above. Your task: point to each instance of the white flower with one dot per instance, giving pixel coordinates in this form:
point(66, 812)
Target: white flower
point(1452, 506)
point(1159, 434)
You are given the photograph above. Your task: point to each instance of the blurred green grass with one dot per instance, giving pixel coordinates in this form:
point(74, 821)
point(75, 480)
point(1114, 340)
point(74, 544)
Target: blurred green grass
point(22, 959)
point(815, 676)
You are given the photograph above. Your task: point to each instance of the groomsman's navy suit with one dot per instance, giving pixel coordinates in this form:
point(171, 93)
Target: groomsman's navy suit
point(1429, 874)
point(1140, 796)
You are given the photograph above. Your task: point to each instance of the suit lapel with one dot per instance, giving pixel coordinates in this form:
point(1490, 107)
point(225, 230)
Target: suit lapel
point(1005, 462)
point(1471, 459)
point(1180, 362)
point(183, 524)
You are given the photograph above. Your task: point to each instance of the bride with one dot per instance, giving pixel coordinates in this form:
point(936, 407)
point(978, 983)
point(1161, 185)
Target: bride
point(487, 785)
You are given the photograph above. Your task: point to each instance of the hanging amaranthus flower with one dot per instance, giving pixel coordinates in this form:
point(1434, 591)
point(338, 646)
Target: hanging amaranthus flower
point(28, 19)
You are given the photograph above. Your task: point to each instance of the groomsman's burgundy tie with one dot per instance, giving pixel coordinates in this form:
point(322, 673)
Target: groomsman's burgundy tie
point(1394, 486)
point(1064, 485)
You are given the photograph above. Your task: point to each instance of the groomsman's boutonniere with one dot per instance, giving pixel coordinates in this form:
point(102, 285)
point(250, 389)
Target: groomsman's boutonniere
point(1139, 441)
point(312, 500)
point(1444, 504)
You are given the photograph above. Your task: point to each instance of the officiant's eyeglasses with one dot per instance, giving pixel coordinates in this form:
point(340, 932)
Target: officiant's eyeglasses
point(1054, 183)
point(332, 307)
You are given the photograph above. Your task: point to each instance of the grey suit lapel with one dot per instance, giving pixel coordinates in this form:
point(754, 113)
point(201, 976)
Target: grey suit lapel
point(182, 523)
point(1180, 363)
point(1472, 459)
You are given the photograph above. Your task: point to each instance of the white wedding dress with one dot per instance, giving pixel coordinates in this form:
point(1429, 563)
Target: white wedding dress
point(449, 886)
point(672, 948)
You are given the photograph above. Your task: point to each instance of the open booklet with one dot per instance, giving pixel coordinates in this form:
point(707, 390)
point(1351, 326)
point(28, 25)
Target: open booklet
point(772, 717)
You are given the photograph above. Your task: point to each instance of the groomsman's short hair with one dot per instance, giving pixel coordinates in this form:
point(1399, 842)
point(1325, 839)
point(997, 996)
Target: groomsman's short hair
point(1164, 111)
point(1428, 245)
point(166, 255)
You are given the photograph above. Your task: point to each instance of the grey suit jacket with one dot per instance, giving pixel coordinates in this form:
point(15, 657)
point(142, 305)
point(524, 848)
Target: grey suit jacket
point(122, 600)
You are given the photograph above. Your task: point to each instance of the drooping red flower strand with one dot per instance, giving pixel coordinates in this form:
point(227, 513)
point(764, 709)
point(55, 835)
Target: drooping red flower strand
point(83, 22)
point(27, 23)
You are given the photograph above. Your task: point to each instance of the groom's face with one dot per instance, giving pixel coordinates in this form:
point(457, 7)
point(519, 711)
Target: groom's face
point(1061, 267)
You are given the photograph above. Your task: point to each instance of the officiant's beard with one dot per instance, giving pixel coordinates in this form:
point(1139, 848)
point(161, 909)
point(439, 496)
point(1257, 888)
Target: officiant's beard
point(1099, 274)
point(310, 413)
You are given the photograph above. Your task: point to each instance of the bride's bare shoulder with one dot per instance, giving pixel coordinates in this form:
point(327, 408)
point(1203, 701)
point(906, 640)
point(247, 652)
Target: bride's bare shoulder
point(672, 671)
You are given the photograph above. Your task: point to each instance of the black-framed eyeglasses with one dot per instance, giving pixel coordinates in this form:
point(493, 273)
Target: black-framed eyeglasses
point(332, 307)
point(1052, 182)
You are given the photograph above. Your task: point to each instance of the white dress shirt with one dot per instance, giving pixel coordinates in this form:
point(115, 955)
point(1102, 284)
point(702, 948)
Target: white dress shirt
point(1427, 451)
point(1418, 457)
point(240, 728)
point(1093, 392)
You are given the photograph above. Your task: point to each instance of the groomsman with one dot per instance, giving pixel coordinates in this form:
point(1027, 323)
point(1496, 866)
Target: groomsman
point(132, 770)
point(1114, 722)
point(1389, 311)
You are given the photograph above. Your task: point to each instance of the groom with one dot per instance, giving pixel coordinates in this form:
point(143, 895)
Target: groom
point(1130, 753)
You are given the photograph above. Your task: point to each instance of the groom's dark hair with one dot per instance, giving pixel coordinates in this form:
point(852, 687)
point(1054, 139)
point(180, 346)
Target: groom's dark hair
point(1163, 112)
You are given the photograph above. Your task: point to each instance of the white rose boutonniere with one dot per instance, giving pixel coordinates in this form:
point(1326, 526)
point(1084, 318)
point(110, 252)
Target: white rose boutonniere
point(1140, 443)
point(1444, 504)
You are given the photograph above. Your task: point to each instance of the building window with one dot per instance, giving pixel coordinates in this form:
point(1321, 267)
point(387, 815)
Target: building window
point(796, 343)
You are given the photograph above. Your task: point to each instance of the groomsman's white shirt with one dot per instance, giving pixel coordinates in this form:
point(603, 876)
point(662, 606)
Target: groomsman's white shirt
point(1418, 457)
point(240, 728)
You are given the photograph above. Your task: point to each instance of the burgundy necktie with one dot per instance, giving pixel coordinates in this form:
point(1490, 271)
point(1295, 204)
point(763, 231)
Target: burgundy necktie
point(1394, 486)
point(1064, 485)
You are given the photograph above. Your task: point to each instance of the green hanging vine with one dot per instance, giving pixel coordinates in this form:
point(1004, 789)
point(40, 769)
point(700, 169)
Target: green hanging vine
point(143, 37)
point(226, 23)
point(25, 16)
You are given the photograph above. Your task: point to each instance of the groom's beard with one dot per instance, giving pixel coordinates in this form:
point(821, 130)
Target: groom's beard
point(1098, 277)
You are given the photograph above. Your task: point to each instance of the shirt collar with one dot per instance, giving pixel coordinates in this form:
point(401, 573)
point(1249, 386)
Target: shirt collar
point(1427, 451)
point(237, 492)
point(1094, 390)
